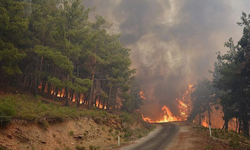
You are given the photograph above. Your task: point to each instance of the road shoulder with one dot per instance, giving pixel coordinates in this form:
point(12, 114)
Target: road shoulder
point(144, 139)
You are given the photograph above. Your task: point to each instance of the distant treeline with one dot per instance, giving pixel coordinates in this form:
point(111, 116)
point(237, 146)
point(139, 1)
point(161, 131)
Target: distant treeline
point(50, 48)
point(230, 86)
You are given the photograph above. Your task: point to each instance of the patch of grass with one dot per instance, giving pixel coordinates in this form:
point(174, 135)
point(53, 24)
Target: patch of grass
point(71, 133)
point(234, 142)
point(80, 148)
point(116, 132)
point(215, 134)
point(208, 147)
point(67, 148)
point(110, 130)
point(91, 147)
point(32, 109)
point(85, 134)
point(128, 133)
point(126, 117)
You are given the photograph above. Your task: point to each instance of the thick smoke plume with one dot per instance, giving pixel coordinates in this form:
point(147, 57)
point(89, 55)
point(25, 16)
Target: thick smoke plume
point(173, 42)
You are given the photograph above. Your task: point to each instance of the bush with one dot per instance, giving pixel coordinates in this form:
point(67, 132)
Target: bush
point(126, 117)
point(128, 133)
point(7, 110)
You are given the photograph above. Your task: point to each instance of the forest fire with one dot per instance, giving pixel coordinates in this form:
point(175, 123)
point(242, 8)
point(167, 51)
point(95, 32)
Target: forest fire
point(184, 105)
point(168, 116)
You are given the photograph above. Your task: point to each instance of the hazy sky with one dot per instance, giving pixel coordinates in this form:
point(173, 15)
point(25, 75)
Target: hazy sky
point(173, 42)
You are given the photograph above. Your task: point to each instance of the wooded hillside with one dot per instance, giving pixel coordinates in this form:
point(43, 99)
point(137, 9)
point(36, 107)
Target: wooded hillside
point(50, 48)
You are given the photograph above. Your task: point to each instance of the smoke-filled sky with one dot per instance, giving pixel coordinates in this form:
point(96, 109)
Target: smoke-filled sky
point(173, 42)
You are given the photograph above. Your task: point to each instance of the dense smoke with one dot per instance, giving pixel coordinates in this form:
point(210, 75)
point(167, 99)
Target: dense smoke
point(173, 42)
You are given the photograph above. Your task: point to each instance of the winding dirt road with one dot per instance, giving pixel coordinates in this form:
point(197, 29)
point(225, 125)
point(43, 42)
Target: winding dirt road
point(158, 140)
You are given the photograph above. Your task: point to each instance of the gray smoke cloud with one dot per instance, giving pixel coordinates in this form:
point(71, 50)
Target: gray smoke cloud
point(173, 42)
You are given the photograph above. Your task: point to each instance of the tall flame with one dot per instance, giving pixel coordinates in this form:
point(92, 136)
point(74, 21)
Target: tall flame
point(168, 116)
point(184, 105)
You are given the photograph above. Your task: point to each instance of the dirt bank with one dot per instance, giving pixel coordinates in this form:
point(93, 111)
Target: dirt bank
point(71, 134)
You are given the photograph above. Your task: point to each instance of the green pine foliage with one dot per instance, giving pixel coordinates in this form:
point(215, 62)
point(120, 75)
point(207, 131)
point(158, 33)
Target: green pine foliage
point(49, 47)
point(231, 82)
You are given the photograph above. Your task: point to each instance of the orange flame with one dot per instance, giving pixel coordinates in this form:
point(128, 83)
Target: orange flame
point(142, 95)
point(167, 117)
point(184, 105)
point(99, 104)
point(204, 122)
point(147, 119)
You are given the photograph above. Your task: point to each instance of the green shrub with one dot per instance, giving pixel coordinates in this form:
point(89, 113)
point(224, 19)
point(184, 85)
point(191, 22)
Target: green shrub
point(126, 117)
point(128, 133)
point(7, 110)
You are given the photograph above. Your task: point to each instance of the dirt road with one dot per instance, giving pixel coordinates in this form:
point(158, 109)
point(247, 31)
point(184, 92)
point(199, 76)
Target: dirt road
point(159, 140)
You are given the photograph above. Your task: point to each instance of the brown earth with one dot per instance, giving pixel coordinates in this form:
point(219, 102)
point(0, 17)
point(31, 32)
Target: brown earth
point(194, 137)
point(84, 133)
point(81, 133)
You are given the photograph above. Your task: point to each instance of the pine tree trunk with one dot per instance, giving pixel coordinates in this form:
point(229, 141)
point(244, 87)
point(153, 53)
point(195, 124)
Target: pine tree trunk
point(91, 90)
point(109, 99)
point(199, 118)
point(66, 97)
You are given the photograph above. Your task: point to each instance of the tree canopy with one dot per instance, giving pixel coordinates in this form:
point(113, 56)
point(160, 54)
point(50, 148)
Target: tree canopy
point(52, 49)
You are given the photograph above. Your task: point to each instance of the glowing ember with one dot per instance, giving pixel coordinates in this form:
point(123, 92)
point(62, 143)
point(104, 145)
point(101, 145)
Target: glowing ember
point(142, 95)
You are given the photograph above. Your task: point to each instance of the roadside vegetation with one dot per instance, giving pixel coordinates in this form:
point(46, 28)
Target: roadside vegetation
point(224, 137)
